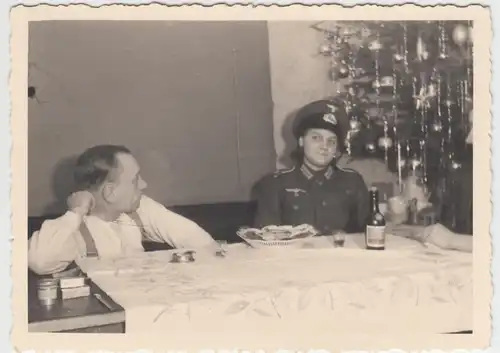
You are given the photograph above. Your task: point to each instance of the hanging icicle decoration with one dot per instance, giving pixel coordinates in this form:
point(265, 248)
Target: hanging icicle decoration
point(444, 52)
point(449, 103)
point(377, 98)
point(334, 64)
point(439, 123)
point(470, 63)
point(394, 98)
point(350, 97)
point(461, 95)
point(395, 123)
point(350, 78)
point(407, 72)
point(405, 47)
point(423, 147)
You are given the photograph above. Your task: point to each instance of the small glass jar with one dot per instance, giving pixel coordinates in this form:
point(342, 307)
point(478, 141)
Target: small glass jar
point(48, 291)
point(338, 239)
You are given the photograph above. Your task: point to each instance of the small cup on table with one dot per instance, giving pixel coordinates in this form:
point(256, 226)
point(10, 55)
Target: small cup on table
point(338, 239)
point(222, 249)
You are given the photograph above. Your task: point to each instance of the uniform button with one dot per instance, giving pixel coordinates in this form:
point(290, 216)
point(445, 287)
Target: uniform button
point(295, 207)
point(323, 203)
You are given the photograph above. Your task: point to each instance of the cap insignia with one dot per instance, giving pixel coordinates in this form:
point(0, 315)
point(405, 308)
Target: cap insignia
point(330, 117)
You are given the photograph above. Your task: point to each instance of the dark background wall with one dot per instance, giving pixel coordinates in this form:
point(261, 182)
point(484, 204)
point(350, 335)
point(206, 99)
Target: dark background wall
point(192, 100)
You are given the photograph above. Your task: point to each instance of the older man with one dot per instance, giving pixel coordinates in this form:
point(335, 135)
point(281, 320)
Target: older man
point(109, 217)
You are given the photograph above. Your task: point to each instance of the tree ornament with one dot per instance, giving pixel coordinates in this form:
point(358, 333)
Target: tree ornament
point(359, 71)
point(454, 165)
point(387, 81)
point(375, 45)
point(460, 34)
point(437, 126)
point(343, 71)
point(325, 49)
point(443, 56)
point(431, 90)
point(376, 84)
point(415, 163)
point(355, 124)
point(348, 107)
point(422, 53)
point(398, 58)
point(423, 98)
point(385, 142)
point(370, 147)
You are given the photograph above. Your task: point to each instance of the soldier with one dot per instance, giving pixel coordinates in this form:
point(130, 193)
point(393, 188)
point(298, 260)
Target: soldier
point(315, 191)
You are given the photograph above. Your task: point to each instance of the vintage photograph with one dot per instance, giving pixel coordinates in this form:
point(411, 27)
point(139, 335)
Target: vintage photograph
point(195, 177)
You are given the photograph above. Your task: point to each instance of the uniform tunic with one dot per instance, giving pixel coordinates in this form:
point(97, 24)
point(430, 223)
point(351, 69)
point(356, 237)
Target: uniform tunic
point(330, 200)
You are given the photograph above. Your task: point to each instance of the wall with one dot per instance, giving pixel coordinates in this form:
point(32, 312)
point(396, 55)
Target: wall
point(299, 75)
point(191, 100)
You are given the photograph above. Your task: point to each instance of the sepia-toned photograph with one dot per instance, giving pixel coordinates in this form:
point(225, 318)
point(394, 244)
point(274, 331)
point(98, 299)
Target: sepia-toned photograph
point(200, 178)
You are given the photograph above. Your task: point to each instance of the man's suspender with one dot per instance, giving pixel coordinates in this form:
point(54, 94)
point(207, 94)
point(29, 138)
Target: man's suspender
point(91, 249)
point(138, 222)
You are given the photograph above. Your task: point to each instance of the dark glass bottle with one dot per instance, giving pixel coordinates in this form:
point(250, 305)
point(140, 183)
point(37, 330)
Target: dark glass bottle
point(375, 224)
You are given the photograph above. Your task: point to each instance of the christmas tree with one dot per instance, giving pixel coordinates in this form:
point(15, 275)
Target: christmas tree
point(407, 87)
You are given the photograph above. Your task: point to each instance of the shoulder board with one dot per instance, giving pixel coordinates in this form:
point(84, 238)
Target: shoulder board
point(283, 171)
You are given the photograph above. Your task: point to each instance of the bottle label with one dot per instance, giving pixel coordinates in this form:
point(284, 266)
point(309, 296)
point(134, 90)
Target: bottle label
point(375, 236)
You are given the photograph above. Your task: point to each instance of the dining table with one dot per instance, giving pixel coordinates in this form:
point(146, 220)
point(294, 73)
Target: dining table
point(408, 287)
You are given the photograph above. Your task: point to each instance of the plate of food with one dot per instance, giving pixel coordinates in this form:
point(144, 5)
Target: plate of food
point(277, 236)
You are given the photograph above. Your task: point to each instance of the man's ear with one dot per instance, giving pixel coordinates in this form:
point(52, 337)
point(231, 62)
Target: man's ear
point(108, 192)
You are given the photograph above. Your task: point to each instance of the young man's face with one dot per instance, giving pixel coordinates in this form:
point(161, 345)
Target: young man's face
point(320, 147)
point(125, 191)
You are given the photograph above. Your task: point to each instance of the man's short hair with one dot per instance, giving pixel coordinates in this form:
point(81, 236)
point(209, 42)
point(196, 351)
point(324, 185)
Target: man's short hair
point(94, 166)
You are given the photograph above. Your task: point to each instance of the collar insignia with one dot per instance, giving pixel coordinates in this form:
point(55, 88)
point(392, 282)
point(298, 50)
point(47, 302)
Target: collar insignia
point(307, 173)
point(329, 172)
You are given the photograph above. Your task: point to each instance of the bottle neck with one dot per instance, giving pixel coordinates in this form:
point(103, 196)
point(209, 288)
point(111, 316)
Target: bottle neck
point(374, 202)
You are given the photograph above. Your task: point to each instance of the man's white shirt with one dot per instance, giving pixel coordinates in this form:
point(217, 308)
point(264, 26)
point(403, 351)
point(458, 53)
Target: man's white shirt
point(59, 241)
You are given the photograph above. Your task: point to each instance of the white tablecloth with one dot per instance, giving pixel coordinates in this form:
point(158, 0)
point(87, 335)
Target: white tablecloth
point(405, 288)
